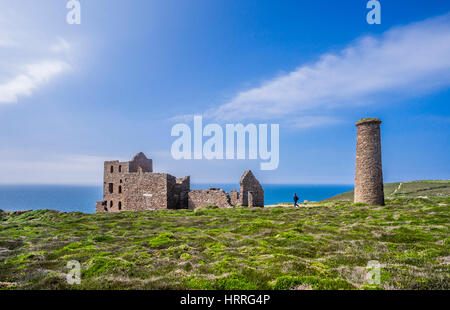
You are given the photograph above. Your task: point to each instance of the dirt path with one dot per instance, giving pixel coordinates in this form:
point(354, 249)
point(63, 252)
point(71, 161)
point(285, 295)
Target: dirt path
point(397, 189)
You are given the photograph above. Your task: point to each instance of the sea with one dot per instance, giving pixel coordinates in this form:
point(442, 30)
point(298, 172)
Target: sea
point(82, 198)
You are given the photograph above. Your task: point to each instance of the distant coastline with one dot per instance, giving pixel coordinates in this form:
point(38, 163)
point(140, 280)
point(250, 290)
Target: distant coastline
point(78, 198)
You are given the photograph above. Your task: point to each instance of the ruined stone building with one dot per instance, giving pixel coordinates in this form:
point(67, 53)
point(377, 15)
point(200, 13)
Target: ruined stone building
point(133, 186)
point(250, 194)
point(369, 170)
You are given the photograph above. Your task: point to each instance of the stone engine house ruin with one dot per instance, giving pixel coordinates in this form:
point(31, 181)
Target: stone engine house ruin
point(133, 186)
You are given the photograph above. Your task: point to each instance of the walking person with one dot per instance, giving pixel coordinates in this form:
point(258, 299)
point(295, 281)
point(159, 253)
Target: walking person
point(295, 200)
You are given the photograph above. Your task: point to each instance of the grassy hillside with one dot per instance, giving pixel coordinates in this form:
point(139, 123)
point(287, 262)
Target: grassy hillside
point(326, 246)
point(407, 189)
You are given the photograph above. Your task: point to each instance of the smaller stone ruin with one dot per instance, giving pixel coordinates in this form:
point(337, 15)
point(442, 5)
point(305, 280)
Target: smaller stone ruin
point(250, 194)
point(209, 197)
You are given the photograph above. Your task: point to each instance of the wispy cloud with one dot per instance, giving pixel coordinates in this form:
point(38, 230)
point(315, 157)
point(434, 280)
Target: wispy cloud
point(404, 61)
point(31, 77)
point(29, 57)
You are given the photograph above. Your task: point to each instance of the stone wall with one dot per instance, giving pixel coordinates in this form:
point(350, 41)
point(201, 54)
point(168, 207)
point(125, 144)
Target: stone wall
point(210, 197)
point(100, 206)
point(113, 185)
point(234, 198)
point(146, 191)
point(177, 190)
point(132, 186)
point(368, 171)
point(141, 161)
point(249, 184)
point(182, 188)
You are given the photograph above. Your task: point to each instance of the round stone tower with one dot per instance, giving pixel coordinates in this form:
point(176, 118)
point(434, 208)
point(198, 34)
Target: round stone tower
point(369, 171)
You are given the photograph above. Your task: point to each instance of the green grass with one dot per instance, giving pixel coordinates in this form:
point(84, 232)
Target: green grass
point(439, 188)
point(367, 120)
point(326, 246)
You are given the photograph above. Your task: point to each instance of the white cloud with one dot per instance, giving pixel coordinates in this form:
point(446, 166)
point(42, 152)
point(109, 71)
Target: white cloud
point(31, 52)
point(404, 61)
point(31, 77)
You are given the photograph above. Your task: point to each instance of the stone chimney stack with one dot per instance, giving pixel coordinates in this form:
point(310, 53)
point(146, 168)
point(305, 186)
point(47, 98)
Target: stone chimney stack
point(369, 171)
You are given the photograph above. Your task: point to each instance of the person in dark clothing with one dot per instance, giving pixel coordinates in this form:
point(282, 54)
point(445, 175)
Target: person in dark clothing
point(295, 200)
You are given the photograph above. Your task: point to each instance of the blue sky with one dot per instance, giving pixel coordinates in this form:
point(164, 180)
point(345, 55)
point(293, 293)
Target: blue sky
point(72, 96)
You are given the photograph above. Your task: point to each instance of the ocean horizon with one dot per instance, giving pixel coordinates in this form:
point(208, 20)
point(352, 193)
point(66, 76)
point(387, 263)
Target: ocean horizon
point(79, 198)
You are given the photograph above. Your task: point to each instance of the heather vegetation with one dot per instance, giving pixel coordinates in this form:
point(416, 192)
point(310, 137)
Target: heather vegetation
point(324, 246)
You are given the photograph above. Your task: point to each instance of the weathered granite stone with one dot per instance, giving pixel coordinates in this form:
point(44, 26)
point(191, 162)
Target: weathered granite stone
point(250, 188)
point(369, 172)
point(133, 186)
point(234, 197)
point(21, 212)
point(210, 197)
